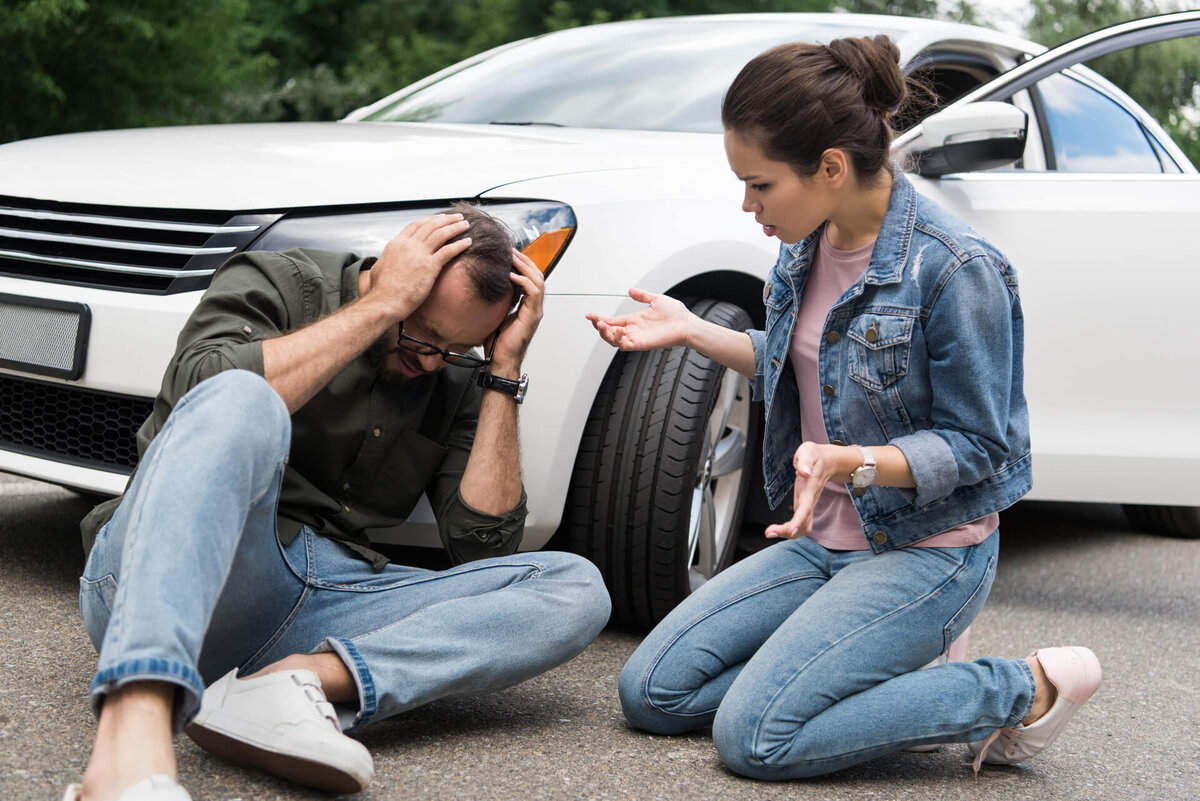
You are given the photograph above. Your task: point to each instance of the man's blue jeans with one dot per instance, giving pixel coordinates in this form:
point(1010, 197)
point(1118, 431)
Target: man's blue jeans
point(806, 660)
point(189, 580)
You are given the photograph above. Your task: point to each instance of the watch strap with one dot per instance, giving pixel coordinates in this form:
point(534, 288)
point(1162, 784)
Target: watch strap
point(515, 389)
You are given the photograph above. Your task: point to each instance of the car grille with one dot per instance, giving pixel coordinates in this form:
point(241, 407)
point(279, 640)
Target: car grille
point(117, 247)
point(69, 424)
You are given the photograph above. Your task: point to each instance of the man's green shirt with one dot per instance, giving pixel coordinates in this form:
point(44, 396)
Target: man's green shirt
point(364, 449)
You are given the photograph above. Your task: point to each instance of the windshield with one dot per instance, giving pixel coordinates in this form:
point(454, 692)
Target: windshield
point(668, 76)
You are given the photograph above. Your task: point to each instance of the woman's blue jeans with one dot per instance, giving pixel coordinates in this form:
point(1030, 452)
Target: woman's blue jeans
point(189, 580)
point(806, 660)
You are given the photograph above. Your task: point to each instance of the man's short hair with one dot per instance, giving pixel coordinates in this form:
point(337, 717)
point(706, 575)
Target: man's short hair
point(488, 260)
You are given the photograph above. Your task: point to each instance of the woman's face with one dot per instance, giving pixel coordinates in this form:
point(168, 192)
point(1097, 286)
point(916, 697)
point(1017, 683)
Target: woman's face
point(787, 206)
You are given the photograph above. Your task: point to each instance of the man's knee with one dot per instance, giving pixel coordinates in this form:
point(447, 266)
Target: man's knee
point(591, 600)
point(242, 407)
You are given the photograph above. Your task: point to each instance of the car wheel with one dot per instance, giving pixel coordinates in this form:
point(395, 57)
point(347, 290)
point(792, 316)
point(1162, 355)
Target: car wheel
point(1177, 521)
point(659, 482)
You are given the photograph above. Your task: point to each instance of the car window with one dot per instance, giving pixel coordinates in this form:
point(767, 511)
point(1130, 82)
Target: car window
point(667, 77)
point(1089, 132)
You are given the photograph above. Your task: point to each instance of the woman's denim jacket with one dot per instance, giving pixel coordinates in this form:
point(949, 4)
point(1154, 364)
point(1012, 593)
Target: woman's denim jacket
point(923, 352)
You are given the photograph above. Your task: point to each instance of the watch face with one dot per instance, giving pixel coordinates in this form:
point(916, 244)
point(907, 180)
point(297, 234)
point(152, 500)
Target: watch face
point(864, 476)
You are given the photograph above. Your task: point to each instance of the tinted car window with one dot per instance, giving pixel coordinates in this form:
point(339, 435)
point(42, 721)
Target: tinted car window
point(1091, 133)
point(646, 77)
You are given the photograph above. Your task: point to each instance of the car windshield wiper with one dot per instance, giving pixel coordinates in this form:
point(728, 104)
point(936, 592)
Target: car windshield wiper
point(526, 122)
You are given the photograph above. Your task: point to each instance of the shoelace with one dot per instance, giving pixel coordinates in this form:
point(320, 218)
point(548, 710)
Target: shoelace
point(1006, 736)
point(314, 693)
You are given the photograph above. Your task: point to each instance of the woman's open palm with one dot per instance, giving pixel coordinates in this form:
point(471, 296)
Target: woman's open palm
point(662, 324)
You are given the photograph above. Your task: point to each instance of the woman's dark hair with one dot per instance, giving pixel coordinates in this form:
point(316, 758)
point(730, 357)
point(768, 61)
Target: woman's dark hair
point(489, 258)
point(797, 100)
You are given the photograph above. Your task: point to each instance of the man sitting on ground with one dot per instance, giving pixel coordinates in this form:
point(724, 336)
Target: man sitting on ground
point(313, 398)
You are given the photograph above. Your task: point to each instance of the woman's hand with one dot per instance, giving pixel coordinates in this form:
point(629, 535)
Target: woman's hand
point(815, 466)
point(664, 323)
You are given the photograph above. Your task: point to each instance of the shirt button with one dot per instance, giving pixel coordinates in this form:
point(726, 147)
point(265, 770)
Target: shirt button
point(879, 537)
point(347, 509)
point(345, 487)
point(829, 390)
point(245, 329)
point(833, 337)
point(377, 432)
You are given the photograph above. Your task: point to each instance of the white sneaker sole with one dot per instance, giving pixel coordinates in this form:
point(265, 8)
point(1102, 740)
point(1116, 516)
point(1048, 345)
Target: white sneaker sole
point(288, 766)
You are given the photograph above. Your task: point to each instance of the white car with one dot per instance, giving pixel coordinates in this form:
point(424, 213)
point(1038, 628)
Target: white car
point(601, 148)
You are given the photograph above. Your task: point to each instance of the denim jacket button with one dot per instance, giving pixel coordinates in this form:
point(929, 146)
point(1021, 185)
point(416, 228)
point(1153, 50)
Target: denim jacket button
point(829, 390)
point(879, 537)
point(872, 333)
point(837, 442)
point(833, 337)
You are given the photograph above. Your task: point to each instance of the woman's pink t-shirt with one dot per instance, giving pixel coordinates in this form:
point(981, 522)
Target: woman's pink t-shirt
point(835, 522)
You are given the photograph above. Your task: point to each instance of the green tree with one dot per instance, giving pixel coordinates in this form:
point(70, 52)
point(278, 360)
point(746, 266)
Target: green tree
point(1163, 78)
point(72, 65)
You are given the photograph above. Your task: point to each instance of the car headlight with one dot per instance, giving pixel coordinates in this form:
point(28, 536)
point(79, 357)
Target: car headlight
point(541, 229)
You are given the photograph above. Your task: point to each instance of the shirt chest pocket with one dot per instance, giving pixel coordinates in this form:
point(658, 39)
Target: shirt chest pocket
point(405, 472)
point(879, 349)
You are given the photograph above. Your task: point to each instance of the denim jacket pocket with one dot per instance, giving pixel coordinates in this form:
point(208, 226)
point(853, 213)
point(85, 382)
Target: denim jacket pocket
point(879, 356)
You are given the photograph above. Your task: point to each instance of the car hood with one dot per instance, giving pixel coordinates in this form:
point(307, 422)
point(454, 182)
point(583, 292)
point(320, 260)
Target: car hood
point(291, 165)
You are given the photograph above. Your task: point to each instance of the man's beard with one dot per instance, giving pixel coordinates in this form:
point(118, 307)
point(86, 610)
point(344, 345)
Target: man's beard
point(378, 354)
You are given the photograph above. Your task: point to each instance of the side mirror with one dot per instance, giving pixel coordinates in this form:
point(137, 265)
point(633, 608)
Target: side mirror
point(976, 136)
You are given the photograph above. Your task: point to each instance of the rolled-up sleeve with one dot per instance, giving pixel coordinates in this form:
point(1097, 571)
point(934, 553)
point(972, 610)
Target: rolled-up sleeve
point(254, 296)
point(972, 351)
point(468, 534)
point(758, 339)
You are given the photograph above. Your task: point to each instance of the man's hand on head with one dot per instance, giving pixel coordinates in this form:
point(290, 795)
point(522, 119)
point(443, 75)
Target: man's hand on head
point(518, 330)
point(411, 262)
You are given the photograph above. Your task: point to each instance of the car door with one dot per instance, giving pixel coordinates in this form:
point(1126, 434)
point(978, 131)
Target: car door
point(1100, 220)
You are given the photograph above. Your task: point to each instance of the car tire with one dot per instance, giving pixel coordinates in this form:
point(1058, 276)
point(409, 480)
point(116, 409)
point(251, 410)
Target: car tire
point(660, 479)
point(1176, 521)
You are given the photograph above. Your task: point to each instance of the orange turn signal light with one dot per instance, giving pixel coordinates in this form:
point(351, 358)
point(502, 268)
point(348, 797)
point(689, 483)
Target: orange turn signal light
point(545, 250)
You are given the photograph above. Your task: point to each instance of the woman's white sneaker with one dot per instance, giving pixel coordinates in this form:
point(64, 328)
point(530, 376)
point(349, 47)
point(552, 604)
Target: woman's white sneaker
point(281, 723)
point(1075, 673)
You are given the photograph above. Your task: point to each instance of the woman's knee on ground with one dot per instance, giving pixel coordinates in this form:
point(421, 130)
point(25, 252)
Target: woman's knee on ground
point(751, 742)
point(649, 704)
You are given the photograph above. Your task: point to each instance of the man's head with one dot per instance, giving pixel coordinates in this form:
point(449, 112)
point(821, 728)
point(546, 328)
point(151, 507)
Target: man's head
point(467, 304)
point(489, 258)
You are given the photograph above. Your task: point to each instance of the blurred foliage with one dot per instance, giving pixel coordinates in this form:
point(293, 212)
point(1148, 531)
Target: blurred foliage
point(1164, 78)
point(69, 65)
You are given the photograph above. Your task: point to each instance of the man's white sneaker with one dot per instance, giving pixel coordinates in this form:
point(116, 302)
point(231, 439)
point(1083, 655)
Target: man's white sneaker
point(155, 788)
point(1075, 673)
point(281, 723)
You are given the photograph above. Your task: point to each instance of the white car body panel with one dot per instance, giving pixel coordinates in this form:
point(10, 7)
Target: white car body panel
point(296, 165)
point(1100, 340)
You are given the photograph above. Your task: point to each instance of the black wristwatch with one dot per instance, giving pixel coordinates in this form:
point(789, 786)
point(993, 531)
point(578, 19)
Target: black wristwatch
point(516, 388)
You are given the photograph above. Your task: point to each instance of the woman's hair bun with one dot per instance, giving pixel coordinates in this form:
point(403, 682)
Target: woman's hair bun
point(875, 62)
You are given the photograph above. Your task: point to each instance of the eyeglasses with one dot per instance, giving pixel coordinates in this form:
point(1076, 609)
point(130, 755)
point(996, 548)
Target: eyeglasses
point(420, 346)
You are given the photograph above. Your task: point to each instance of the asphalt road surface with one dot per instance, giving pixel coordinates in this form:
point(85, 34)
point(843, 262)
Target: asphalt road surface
point(1068, 575)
